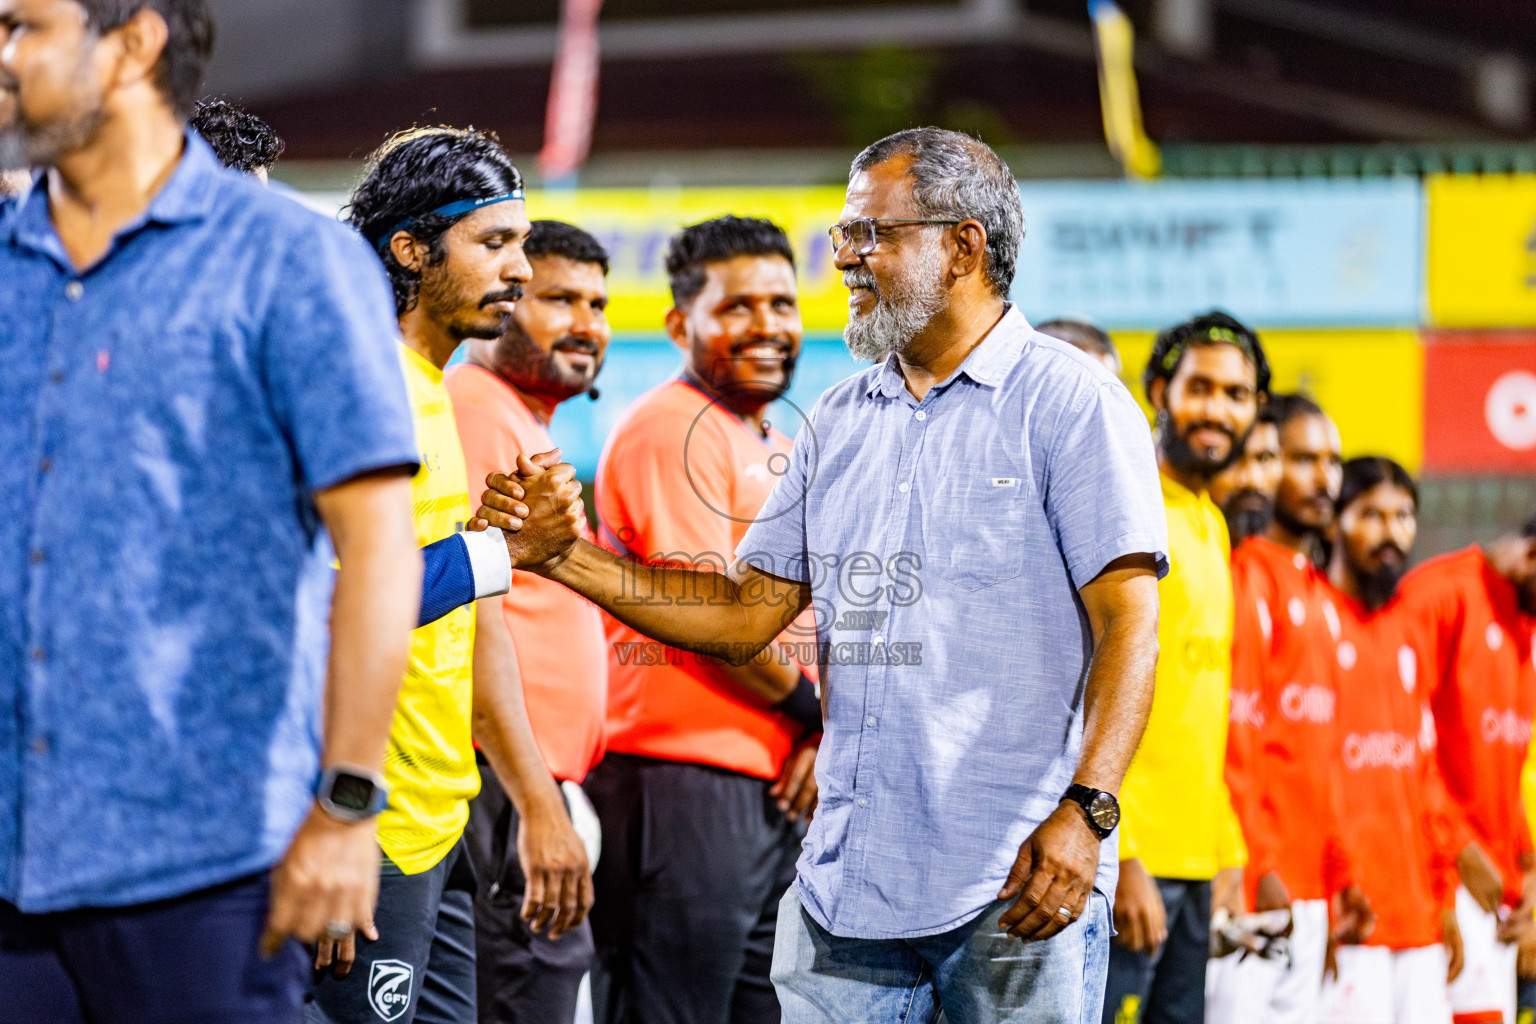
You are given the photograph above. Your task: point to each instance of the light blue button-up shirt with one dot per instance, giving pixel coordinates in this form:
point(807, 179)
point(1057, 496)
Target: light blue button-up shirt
point(945, 541)
point(166, 417)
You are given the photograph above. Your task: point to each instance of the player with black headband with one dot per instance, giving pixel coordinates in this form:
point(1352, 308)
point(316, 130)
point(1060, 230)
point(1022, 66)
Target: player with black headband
point(443, 208)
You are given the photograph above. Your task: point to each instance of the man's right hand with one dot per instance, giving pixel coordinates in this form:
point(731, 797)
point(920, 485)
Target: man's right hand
point(551, 498)
point(1354, 917)
point(330, 874)
point(1455, 951)
point(1271, 894)
point(558, 891)
point(1140, 917)
point(1480, 877)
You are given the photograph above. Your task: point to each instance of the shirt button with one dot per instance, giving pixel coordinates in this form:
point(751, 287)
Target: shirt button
point(57, 376)
point(921, 416)
point(45, 466)
point(36, 556)
point(903, 487)
point(863, 801)
point(38, 654)
point(870, 721)
point(40, 745)
point(879, 640)
point(74, 291)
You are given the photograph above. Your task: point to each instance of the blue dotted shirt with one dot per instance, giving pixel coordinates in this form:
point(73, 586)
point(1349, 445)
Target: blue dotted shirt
point(166, 418)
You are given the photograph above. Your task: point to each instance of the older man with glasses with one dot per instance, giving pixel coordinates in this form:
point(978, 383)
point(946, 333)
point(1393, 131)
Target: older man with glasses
point(985, 498)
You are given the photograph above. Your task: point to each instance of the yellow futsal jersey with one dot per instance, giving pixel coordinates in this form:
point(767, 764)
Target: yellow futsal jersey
point(430, 764)
point(1176, 814)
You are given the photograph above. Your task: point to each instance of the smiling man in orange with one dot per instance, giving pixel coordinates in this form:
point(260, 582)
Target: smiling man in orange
point(709, 762)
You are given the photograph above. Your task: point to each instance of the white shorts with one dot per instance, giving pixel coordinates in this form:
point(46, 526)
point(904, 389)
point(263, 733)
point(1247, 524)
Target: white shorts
point(1387, 986)
point(1487, 984)
point(1252, 990)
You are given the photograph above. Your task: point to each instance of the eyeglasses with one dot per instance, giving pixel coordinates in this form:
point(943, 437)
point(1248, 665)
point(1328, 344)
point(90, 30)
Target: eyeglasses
point(859, 235)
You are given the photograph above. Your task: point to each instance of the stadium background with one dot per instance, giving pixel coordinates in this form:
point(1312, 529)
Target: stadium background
point(1353, 178)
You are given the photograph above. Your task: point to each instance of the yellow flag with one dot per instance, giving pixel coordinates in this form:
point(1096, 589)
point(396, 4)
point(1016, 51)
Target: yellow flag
point(1115, 38)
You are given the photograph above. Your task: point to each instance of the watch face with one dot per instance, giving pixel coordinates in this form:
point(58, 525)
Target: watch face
point(1104, 811)
point(352, 793)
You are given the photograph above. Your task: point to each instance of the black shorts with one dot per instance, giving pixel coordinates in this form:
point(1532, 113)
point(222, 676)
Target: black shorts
point(422, 968)
point(192, 958)
point(695, 861)
point(524, 978)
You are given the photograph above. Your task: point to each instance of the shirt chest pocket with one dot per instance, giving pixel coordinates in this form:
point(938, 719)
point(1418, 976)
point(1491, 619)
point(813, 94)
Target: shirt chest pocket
point(974, 528)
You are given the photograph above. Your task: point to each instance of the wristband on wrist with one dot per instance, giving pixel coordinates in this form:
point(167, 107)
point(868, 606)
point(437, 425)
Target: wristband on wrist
point(803, 705)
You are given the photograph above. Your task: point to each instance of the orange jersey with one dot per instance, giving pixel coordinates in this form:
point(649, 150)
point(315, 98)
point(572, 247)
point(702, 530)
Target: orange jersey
point(1282, 769)
point(1484, 696)
point(1395, 807)
point(680, 480)
point(562, 653)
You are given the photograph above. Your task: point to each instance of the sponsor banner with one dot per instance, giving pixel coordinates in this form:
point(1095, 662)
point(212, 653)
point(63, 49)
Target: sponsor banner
point(1314, 253)
point(635, 224)
point(1370, 382)
point(1482, 250)
point(1480, 402)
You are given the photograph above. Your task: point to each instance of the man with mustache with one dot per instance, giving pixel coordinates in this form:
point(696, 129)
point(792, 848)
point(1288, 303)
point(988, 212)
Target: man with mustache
point(710, 760)
point(1310, 466)
point(457, 570)
point(977, 518)
point(220, 361)
point(1477, 605)
point(1395, 807)
point(535, 876)
point(1245, 490)
point(1206, 379)
point(1282, 765)
point(443, 210)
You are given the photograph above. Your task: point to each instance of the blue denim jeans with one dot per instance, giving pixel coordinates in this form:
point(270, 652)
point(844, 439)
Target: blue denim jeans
point(977, 974)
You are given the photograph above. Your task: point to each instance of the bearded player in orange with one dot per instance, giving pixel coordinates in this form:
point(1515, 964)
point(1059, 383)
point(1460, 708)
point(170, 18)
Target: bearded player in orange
point(1282, 741)
point(1475, 606)
point(1396, 813)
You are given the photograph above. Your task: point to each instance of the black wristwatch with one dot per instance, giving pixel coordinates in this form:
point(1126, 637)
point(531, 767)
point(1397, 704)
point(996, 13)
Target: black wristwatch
point(1101, 808)
point(351, 795)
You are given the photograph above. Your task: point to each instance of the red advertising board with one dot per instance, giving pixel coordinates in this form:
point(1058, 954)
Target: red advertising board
point(1480, 401)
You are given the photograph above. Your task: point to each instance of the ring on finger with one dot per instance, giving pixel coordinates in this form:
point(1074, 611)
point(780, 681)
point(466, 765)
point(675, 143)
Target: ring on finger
point(338, 931)
point(1065, 912)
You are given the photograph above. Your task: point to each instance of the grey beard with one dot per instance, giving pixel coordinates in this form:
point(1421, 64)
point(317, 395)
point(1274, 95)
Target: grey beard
point(915, 298)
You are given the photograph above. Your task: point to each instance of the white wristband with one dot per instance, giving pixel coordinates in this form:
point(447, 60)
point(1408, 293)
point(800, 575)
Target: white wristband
point(489, 561)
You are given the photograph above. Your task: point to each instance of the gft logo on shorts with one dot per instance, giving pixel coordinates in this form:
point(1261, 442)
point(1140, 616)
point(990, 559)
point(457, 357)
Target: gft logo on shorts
point(389, 988)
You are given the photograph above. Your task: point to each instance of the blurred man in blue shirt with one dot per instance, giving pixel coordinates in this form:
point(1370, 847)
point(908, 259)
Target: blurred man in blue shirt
point(222, 363)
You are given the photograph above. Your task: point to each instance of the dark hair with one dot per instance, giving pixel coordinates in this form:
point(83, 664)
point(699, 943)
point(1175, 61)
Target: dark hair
point(188, 44)
point(1529, 529)
point(239, 139)
point(957, 177)
point(1081, 333)
point(1361, 474)
point(414, 173)
point(1267, 414)
point(1292, 406)
point(713, 241)
point(557, 238)
point(1213, 328)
